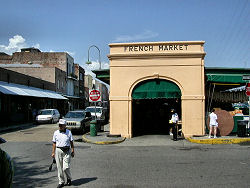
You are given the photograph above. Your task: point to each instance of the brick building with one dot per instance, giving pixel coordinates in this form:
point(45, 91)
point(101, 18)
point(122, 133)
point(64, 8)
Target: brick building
point(79, 86)
point(51, 74)
point(47, 66)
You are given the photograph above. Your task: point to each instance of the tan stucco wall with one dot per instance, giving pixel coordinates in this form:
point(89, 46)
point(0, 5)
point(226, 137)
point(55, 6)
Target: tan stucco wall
point(181, 63)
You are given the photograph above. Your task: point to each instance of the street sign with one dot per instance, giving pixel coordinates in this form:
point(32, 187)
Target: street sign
point(246, 77)
point(248, 89)
point(94, 96)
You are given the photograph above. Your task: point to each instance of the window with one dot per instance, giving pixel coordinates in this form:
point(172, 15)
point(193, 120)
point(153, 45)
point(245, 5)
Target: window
point(62, 85)
point(80, 76)
point(58, 84)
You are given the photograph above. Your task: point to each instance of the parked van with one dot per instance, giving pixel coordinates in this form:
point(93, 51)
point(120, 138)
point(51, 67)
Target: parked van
point(97, 113)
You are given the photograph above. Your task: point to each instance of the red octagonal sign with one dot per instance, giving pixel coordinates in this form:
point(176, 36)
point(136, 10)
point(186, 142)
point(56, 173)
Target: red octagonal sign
point(94, 96)
point(248, 89)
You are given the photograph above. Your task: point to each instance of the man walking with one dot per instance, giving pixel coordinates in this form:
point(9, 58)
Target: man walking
point(213, 124)
point(62, 151)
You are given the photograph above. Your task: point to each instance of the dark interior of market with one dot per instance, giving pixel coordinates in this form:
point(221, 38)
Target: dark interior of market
point(151, 116)
point(224, 95)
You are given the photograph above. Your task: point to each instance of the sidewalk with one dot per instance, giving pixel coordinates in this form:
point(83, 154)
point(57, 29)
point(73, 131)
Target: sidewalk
point(219, 140)
point(16, 127)
point(103, 137)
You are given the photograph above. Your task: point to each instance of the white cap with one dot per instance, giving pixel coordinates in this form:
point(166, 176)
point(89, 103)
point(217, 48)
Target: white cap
point(62, 122)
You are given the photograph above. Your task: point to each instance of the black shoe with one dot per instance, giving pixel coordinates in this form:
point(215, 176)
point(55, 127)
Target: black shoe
point(60, 185)
point(68, 182)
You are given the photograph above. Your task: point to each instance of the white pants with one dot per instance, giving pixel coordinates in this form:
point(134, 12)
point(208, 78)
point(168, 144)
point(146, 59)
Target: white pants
point(63, 165)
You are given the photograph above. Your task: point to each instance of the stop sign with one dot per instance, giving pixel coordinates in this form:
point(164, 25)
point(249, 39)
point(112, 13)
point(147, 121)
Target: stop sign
point(94, 95)
point(248, 89)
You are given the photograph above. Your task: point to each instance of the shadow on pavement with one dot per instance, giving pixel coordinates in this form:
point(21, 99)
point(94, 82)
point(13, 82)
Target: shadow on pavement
point(81, 181)
point(28, 174)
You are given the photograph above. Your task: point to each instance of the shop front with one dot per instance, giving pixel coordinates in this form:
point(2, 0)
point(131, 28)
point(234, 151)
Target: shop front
point(149, 79)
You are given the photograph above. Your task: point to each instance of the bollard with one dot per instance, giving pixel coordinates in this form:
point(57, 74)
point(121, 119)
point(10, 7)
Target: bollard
point(93, 128)
point(175, 130)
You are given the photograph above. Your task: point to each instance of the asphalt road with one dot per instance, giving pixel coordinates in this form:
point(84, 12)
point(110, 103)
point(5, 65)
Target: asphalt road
point(147, 161)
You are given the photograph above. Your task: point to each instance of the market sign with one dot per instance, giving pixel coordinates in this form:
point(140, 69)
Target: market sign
point(245, 77)
point(94, 96)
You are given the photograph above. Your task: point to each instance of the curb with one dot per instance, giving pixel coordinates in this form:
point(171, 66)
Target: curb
point(102, 142)
point(219, 140)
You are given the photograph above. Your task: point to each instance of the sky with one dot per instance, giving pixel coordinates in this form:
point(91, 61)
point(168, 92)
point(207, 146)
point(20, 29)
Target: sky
point(74, 25)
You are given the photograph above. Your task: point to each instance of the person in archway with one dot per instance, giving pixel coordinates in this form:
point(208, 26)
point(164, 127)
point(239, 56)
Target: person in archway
point(213, 124)
point(173, 122)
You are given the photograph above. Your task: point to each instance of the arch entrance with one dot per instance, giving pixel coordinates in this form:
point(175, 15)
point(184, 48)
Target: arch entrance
point(156, 67)
point(152, 101)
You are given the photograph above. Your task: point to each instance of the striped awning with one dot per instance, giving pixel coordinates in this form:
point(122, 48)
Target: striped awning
point(23, 90)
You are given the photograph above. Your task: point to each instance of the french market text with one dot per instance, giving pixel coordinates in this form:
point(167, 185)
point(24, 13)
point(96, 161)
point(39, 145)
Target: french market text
point(153, 48)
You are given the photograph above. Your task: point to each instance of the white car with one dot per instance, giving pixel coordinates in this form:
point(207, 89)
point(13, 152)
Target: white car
point(98, 112)
point(48, 116)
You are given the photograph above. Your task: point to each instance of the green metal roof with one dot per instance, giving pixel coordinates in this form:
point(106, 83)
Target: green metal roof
point(155, 89)
point(213, 74)
point(226, 75)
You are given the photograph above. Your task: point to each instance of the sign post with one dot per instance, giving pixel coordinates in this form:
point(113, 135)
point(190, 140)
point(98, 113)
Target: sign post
point(94, 96)
point(247, 78)
point(248, 94)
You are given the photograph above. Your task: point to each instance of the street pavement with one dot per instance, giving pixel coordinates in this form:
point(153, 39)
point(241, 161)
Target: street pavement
point(145, 161)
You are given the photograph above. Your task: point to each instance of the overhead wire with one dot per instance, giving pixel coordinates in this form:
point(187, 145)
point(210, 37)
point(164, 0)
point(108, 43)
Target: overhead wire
point(234, 47)
point(233, 33)
point(224, 36)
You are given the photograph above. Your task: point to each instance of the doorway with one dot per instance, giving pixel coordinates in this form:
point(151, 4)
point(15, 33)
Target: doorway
point(151, 106)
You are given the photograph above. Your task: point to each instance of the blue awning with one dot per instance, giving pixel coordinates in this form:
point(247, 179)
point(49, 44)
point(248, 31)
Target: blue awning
point(23, 90)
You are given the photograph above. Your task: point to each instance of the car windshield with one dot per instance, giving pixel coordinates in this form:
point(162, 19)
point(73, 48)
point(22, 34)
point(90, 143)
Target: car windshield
point(92, 110)
point(45, 112)
point(74, 115)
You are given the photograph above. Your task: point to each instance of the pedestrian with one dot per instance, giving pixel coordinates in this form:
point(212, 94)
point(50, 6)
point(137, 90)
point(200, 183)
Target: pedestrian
point(213, 124)
point(173, 122)
point(62, 151)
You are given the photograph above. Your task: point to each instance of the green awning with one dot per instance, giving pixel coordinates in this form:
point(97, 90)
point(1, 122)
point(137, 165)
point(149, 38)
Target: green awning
point(155, 89)
point(225, 78)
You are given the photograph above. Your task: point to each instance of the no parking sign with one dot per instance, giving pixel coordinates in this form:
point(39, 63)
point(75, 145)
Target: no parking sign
point(248, 89)
point(94, 95)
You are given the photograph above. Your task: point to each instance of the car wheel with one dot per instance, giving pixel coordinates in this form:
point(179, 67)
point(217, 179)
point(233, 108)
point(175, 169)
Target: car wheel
point(52, 121)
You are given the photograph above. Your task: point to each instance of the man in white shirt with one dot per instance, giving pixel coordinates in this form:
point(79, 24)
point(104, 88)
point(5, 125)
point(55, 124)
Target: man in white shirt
point(62, 144)
point(173, 122)
point(213, 124)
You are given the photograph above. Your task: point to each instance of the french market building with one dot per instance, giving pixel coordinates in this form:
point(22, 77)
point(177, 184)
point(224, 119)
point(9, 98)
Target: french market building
point(156, 75)
point(148, 79)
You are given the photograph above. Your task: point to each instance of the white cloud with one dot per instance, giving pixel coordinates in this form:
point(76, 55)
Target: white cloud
point(15, 44)
point(37, 46)
point(94, 66)
point(145, 35)
point(71, 53)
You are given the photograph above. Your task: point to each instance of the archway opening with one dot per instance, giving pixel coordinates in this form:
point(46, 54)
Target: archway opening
point(151, 106)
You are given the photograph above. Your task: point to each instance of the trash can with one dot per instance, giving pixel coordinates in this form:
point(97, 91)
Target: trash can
point(236, 118)
point(242, 128)
point(93, 128)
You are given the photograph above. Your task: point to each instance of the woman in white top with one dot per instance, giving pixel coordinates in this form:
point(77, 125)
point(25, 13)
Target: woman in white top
point(213, 123)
